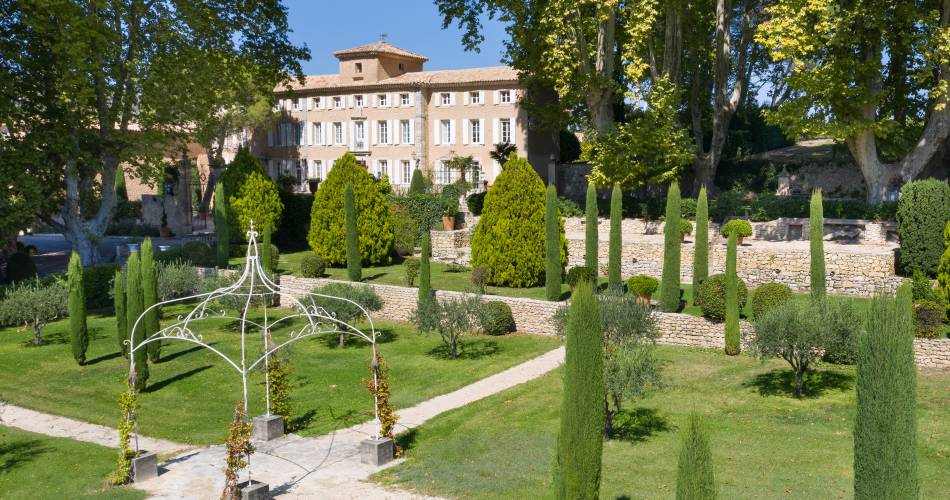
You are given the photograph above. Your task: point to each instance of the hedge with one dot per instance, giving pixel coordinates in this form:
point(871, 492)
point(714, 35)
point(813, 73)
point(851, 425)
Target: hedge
point(257, 202)
point(769, 296)
point(922, 214)
point(295, 223)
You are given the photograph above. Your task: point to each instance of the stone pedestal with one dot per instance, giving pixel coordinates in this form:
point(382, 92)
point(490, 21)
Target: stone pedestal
point(144, 466)
point(254, 490)
point(267, 428)
point(376, 451)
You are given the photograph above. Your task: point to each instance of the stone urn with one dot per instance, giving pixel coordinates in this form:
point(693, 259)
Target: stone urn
point(448, 222)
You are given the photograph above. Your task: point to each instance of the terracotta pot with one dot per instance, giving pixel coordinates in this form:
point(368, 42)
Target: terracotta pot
point(739, 240)
point(643, 299)
point(165, 232)
point(448, 222)
point(682, 238)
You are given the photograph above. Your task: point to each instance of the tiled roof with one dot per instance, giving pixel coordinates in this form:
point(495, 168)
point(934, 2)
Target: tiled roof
point(379, 47)
point(414, 78)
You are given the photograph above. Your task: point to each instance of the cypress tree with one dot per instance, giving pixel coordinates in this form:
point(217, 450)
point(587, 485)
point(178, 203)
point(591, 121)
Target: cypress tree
point(885, 427)
point(267, 256)
point(581, 435)
point(591, 236)
point(134, 307)
point(701, 246)
point(732, 300)
point(616, 238)
point(118, 301)
point(417, 185)
point(425, 282)
point(222, 229)
point(670, 282)
point(354, 266)
point(78, 333)
point(552, 246)
point(816, 233)
point(694, 472)
point(150, 298)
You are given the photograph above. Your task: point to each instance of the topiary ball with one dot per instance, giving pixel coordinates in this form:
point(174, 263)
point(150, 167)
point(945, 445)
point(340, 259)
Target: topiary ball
point(643, 285)
point(497, 318)
point(740, 227)
point(312, 266)
point(577, 274)
point(769, 296)
point(712, 296)
point(20, 266)
point(686, 227)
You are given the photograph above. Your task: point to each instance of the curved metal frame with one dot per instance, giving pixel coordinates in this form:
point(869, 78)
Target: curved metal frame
point(318, 322)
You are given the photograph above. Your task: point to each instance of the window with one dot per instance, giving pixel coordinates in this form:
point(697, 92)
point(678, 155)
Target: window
point(317, 102)
point(383, 99)
point(298, 103)
point(382, 168)
point(405, 132)
point(446, 98)
point(383, 128)
point(406, 172)
point(337, 133)
point(301, 173)
point(476, 173)
point(359, 135)
point(359, 67)
point(358, 100)
point(504, 96)
point(475, 97)
point(476, 131)
point(506, 130)
point(444, 174)
point(404, 99)
point(317, 172)
point(298, 134)
point(338, 102)
point(318, 133)
point(402, 67)
point(446, 126)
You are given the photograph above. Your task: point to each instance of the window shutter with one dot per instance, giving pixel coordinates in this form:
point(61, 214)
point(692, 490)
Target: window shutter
point(465, 98)
point(453, 132)
point(309, 103)
point(308, 136)
point(437, 97)
point(412, 98)
point(438, 133)
point(465, 126)
point(481, 131)
point(481, 97)
point(397, 132)
point(374, 132)
point(495, 131)
point(412, 131)
point(513, 130)
point(343, 128)
point(496, 97)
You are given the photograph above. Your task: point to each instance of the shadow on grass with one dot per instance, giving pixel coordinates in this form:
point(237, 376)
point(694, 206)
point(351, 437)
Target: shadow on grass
point(302, 421)
point(373, 277)
point(406, 440)
point(636, 426)
point(781, 382)
point(473, 349)
point(104, 357)
point(20, 452)
point(183, 352)
point(383, 336)
point(175, 378)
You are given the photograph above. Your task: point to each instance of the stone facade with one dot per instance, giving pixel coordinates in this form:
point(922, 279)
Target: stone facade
point(536, 317)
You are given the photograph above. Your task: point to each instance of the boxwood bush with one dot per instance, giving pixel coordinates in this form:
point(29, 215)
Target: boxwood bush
point(496, 318)
point(577, 274)
point(475, 202)
point(509, 238)
point(97, 285)
point(922, 214)
point(769, 296)
point(643, 285)
point(741, 227)
point(686, 227)
point(928, 318)
point(312, 266)
point(712, 296)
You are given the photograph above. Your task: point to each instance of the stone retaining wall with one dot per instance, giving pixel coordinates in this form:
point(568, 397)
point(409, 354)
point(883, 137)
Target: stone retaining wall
point(535, 316)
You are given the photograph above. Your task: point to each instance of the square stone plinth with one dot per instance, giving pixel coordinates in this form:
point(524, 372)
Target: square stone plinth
point(254, 490)
point(144, 466)
point(267, 428)
point(375, 451)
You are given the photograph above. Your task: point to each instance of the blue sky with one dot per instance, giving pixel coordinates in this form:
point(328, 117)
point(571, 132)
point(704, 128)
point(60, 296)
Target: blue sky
point(327, 26)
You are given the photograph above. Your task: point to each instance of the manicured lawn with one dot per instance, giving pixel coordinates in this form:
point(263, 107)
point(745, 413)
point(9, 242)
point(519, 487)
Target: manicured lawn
point(38, 466)
point(766, 444)
point(192, 391)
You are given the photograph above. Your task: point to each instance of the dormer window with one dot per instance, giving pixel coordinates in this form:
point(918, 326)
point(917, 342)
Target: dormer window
point(402, 67)
point(359, 67)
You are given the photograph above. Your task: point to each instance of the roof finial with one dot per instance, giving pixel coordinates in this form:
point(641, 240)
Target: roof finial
point(383, 37)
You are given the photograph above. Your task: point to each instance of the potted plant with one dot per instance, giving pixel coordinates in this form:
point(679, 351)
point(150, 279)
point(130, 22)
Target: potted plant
point(643, 286)
point(686, 228)
point(450, 206)
point(313, 183)
point(741, 227)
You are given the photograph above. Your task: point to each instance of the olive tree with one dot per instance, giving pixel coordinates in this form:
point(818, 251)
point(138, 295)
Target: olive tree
point(450, 318)
point(34, 304)
point(343, 310)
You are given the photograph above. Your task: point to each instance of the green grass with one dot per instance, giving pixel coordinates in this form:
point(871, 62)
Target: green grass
point(192, 391)
point(38, 466)
point(766, 444)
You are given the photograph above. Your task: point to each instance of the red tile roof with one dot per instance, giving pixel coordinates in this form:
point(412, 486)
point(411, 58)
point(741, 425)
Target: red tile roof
point(379, 47)
point(495, 74)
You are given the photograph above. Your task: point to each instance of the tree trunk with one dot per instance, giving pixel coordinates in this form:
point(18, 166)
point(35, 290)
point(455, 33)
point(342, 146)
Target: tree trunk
point(705, 173)
point(82, 233)
point(454, 347)
point(878, 176)
point(37, 326)
point(799, 383)
point(342, 340)
point(608, 420)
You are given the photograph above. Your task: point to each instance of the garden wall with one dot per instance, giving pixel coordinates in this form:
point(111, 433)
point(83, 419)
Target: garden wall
point(535, 316)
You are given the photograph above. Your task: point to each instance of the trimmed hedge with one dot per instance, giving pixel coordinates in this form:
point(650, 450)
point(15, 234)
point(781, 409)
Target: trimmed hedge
point(97, 281)
point(922, 215)
point(476, 202)
point(769, 296)
point(928, 318)
point(312, 266)
point(509, 238)
point(496, 318)
point(643, 285)
point(577, 274)
point(712, 296)
point(374, 222)
point(741, 227)
point(295, 223)
point(196, 253)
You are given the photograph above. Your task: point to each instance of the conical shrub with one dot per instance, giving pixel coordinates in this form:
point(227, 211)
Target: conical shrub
point(222, 228)
point(552, 245)
point(816, 233)
point(121, 321)
point(425, 270)
point(614, 279)
point(134, 308)
point(670, 282)
point(150, 298)
point(417, 185)
point(591, 235)
point(78, 333)
point(354, 265)
point(695, 479)
point(701, 244)
point(732, 299)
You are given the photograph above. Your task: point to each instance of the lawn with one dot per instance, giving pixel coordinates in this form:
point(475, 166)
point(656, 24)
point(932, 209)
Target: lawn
point(38, 466)
point(191, 391)
point(766, 444)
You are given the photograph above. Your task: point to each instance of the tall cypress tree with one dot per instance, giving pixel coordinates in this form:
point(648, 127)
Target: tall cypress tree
point(134, 307)
point(581, 435)
point(222, 229)
point(816, 233)
point(732, 299)
point(591, 235)
point(118, 301)
point(695, 479)
point(552, 245)
point(670, 282)
point(78, 333)
point(616, 239)
point(425, 273)
point(885, 426)
point(150, 298)
point(701, 247)
point(267, 256)
point(354, 265)
point(417, 185)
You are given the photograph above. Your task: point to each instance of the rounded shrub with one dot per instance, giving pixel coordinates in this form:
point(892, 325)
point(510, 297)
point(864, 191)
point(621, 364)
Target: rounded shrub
point(373, 219)
point(20, 266)
point(497, 318)
point(686, 227)
point(476, 202)
point(712, 296)
point(232, 180)
point(259, 202)
point(769, 296)
point(312, 266)
point(577, 274)
point(928, 318)
point(922, 214)
point(198, 253)
point(411, 265)
point(97, 283)
point(741, 227)
point(404, 230)
point(509, 238)
point(643, 285)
